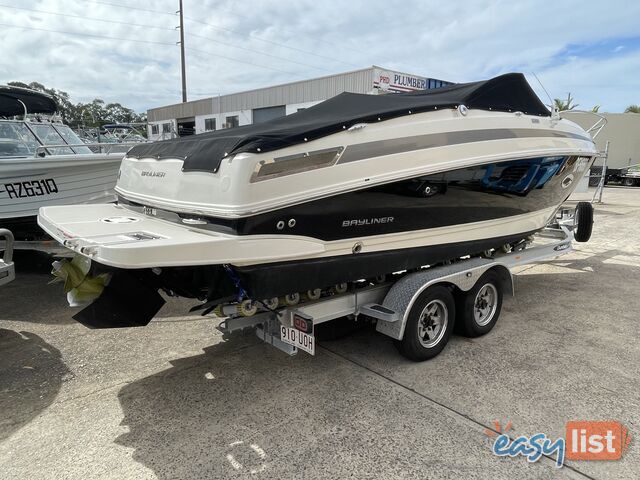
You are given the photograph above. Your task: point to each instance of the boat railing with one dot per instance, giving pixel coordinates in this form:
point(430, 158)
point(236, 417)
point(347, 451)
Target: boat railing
point(44, 150)
point(594, 129)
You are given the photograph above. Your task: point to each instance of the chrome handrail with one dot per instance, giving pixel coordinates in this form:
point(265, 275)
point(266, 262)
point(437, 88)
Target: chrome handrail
point(597, 127)
point(43, 148)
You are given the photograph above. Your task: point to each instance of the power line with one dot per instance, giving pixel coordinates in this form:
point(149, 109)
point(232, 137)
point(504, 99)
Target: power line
point(333, 44)
point(88, 35)
point(269, 41)
point(173, 14)
point(86, 18)
point(256, 51)
point(165, 28)
point(119, 5)
point(240, 61)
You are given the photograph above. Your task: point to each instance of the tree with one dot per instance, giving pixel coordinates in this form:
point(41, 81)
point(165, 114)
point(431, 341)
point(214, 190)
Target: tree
point(596, 109)
point(632, 109)
point(562, 105)
point(94, 114)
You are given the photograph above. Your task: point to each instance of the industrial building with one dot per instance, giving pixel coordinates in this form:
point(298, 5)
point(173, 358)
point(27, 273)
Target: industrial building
point(260, 105)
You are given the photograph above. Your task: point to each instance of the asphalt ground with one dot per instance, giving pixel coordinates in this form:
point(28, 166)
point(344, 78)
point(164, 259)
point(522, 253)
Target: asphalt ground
point(176, 400)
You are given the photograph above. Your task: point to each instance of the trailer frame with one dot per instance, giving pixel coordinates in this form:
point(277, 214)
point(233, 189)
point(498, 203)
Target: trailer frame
point(389, 304)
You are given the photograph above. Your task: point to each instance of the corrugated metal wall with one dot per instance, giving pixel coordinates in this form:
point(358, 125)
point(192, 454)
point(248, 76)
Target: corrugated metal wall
point(180, 110)
point(359, 81)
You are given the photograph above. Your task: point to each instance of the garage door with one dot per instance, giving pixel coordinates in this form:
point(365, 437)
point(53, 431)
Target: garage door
point(263, 114)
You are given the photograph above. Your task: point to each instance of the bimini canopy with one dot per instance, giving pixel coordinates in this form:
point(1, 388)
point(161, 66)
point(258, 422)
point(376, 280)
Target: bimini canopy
point(509, 92)
point(35, 102)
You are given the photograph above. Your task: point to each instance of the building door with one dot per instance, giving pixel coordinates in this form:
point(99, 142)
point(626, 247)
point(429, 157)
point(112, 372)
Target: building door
point(186, 126)
point(264, 114)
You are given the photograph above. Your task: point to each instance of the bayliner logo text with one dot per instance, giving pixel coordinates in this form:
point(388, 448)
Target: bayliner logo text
point(149, 173)
point(360, 222)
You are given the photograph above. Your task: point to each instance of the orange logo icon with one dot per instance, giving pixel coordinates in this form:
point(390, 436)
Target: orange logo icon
point(596, 440)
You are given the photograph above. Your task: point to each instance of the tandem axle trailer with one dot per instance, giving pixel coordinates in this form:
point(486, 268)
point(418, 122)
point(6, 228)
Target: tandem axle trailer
point(420, 309)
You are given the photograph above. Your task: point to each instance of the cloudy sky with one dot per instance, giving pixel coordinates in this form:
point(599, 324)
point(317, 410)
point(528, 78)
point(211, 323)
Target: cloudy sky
point(125, 50)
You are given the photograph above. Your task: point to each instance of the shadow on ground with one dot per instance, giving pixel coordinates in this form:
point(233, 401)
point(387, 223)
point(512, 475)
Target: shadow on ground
point(260, 409)
point(31, 374)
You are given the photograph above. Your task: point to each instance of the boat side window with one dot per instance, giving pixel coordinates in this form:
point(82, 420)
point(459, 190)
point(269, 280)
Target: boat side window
point(71, 138)
point(16, 140)
point(48, 136)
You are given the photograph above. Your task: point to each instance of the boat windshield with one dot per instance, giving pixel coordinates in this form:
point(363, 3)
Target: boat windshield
point(19, 139)
point(16, 140)
point(71, 138)
point(49, 136)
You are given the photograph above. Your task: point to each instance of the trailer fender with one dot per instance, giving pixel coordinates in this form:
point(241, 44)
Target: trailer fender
point(462, 276)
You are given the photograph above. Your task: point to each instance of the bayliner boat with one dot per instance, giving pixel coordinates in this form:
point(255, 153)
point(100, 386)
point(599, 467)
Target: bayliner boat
point(352, 189)
point(43, 162)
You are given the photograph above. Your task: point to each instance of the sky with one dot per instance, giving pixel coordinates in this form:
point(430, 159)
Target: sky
point(126, 50)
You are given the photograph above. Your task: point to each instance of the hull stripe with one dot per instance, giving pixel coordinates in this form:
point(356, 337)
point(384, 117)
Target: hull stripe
point(379, 148)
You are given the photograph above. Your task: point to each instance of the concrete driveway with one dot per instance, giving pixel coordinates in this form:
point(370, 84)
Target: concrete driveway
point(175, 400)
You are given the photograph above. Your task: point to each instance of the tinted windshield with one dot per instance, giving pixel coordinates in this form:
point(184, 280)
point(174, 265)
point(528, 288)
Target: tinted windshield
point(71, 138)
point(16, 140)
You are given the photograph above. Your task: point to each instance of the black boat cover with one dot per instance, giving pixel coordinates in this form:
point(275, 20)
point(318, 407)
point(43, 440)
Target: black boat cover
point(36, 102)
point(509, 92)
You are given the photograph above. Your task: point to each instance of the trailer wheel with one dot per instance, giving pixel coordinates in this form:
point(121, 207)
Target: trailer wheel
point(629, 182)
point(583, 219)
point(429, 324)
point(479, 308)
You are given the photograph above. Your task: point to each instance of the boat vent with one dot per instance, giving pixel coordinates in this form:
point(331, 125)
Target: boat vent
point(514, 173)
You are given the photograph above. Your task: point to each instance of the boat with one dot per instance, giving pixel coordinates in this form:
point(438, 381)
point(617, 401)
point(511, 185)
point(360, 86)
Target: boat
point(43, 162)
point(350, 190)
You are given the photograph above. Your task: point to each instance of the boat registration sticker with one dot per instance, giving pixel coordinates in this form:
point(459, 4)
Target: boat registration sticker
point(298, 339)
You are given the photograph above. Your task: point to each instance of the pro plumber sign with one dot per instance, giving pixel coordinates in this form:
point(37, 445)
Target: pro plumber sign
point(388, 81)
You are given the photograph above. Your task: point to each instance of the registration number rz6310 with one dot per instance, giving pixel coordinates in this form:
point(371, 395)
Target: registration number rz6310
point(31, 188)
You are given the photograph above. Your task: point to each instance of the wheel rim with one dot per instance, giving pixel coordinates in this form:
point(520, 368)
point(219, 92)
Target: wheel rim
point(485, 304)
point(433, 323)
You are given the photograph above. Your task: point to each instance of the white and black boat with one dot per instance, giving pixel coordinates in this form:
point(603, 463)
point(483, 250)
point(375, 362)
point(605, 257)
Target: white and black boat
point(43, 162)
point(354, 188)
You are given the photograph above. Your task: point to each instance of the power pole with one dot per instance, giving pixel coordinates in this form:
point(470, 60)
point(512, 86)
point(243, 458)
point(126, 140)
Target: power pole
point(182, 62)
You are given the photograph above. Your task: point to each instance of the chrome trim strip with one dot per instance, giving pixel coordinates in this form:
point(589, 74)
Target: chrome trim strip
point(296, 163)
point(354, 153)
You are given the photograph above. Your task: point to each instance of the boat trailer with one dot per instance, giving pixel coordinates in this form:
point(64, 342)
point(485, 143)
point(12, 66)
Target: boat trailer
point(408, 309)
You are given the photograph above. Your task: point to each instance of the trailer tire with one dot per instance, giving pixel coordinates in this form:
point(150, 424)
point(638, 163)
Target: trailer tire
point(584, 221)
point(629, 182)
point(479, 308)
point(429, 324)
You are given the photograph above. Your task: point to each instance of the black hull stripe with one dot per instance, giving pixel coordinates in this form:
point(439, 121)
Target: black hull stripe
point(275, 279)
point(354, 153)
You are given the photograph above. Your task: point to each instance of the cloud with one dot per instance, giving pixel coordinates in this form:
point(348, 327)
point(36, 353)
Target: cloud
point(458, 41)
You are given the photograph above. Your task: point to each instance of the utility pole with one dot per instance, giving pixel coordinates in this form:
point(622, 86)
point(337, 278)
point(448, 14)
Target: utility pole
point(184, 75)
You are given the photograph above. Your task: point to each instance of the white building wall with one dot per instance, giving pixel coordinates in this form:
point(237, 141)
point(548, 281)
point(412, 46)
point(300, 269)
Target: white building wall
point(245, 117)
point(160, 135)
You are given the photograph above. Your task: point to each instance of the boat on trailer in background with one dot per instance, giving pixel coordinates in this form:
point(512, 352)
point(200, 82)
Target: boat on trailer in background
point(310, 206)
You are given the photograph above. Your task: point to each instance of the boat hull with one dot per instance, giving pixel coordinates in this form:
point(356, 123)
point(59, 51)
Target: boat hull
point(26, 184)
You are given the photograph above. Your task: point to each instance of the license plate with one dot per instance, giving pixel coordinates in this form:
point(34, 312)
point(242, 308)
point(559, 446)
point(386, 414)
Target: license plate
point(298, 339)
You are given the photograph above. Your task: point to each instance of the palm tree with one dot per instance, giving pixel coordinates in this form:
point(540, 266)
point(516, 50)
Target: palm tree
point(596, 109)
point(632, 109)
point(562, 105)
